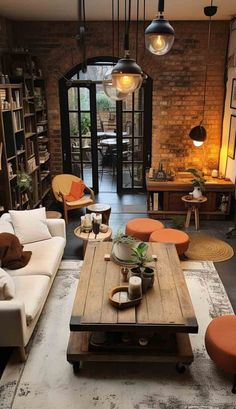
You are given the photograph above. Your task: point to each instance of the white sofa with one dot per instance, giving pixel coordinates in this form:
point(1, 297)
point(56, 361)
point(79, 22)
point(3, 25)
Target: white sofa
point(19, 315)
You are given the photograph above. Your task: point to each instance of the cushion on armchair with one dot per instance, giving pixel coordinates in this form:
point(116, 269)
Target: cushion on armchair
point(30, 225)
point(7, 286)
point(76, 191)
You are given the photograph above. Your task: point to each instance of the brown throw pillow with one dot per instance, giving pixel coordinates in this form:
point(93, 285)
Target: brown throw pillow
point(12, 255)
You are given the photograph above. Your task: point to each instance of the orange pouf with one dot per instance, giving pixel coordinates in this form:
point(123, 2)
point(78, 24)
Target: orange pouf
point(141, 228)
point(220, 341)
point(179, 238)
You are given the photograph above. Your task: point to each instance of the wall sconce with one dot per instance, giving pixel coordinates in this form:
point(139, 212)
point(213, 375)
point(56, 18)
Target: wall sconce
point(198, 134)
point(127, 75)
point(159, 35)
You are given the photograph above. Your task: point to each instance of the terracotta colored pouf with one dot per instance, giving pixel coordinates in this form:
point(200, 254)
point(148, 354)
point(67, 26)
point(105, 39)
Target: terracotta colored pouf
point(220, 341)
point(141, 228)
point(178, 237)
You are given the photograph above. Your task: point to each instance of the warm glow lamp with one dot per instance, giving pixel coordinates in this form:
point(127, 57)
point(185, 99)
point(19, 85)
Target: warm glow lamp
point(109, 89)
point(159, 35)
point(127, 76)
point(198, 135)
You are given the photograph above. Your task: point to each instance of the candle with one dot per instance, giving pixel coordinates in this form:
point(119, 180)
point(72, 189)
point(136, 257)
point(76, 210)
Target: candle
point(135, 287)
point(87, 221)
point(98, 218)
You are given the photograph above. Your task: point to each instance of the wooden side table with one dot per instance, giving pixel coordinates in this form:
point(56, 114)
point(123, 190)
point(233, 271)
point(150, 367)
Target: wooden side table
point(104, 209)
point(193, 206)
point(88, 237)
point(52, 214)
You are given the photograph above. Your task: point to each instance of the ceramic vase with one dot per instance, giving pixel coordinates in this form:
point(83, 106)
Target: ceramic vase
point(197, 192)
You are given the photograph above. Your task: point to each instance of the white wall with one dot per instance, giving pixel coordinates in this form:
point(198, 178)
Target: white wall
point(228, 165)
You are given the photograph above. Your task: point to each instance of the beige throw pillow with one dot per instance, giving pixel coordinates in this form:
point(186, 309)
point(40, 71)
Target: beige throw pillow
point(30, 225)
point(7, 286)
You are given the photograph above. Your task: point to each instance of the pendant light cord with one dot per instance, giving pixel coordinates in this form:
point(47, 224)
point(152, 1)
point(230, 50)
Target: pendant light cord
point(137, 27)
point(127, 27)
point(206, 69)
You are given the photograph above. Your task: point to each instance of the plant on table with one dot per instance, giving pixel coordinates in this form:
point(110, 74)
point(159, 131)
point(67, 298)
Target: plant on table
point(141, 259)
point(123, 246)
point(198, 182)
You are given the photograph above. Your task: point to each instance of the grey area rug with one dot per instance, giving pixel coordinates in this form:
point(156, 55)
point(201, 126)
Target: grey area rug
point(47, 380)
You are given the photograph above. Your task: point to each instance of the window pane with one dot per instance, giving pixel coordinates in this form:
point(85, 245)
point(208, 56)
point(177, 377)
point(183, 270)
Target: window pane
point(85, 122)
point(84, 99)
point(138, 124)
point(138, 175)
point(138, 149)
point(73, 99)
point(74, 127)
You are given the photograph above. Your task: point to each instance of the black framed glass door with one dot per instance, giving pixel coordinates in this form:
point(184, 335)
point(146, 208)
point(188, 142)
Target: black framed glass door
point(104, 139)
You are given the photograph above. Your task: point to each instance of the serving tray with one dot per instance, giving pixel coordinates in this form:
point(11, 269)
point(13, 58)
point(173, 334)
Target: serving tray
point(118, 297)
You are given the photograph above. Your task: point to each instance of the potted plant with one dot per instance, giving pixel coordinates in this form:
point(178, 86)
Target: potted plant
point(198, 183)
point(24, 181)
point(141, 259)
point(123, 246)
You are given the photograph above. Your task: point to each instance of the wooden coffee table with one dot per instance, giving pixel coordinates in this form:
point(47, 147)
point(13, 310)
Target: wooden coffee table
point(164, 315)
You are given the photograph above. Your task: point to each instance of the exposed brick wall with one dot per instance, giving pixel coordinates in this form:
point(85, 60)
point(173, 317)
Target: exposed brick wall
point(177, 87)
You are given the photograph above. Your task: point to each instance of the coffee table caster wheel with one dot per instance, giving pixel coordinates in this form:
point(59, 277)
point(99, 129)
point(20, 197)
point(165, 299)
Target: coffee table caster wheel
point(76, 367)
point(180, 367)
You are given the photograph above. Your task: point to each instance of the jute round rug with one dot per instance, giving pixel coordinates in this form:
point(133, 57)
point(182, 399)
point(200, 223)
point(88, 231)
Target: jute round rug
point(206, 247)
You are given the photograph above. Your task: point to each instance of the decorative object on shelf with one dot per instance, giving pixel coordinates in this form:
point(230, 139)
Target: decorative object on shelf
point(103, 228)
point(215, 173)
point(159, 35)
point(123, 247)
point(232, 136)
point(10, 170)
point(198, 183)
point(119, 298)
point(24, 181)
point(124, 272)
point(198, 134)
point(160, 173)
point(233, 94)
point(151, 173)
point(135, 288)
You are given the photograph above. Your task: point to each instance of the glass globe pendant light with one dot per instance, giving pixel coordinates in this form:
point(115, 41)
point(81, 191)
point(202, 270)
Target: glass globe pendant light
point(109, 88)
point(127, 76)
point(159, 35)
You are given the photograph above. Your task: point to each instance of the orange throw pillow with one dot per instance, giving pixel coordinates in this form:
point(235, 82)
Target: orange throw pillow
point(76, 191)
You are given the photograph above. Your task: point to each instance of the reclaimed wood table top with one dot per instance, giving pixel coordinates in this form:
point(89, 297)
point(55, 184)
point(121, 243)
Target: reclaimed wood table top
point(166, 306)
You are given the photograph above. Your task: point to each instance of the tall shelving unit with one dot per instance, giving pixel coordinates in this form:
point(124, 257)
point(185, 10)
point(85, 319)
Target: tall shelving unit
point(12, 139)
point(23, 70)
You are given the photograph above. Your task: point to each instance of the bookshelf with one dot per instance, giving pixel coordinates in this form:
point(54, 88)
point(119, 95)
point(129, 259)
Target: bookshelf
point(24, 134)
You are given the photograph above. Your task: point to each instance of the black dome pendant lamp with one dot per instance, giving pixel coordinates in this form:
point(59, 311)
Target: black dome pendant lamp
point(198, 134)
point(159, 35)
point(127, 75)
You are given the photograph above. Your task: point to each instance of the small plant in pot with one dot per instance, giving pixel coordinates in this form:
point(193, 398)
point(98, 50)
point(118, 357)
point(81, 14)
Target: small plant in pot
point(123, 246)
point(198, 183)
point(141, 259)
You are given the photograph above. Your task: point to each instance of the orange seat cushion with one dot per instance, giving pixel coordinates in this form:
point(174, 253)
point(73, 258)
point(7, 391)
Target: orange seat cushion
point(220, 341)
point(141, 228)
point(177, 237)
point(76, 191)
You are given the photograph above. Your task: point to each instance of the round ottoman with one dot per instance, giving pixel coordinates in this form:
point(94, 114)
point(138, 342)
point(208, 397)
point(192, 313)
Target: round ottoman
point(178, 237)
point(141, 228)
point(220, 341)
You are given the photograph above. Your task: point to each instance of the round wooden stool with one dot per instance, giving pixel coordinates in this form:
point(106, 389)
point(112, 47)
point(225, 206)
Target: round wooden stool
point(193, 206)
point(141, 228)
point(220, 341)
point(177, 237)
point(86, 237)
point(104, 209)
point(53, 214)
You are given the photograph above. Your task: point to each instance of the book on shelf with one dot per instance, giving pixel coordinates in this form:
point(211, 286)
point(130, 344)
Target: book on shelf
point(17, 122)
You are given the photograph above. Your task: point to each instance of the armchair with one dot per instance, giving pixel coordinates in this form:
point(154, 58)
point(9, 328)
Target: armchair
point(61, 185)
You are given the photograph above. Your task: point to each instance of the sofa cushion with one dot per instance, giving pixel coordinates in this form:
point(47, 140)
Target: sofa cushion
point(7, 286)
point(45, 259)
point(31, 290)
point(30, 225)
point(6, 227)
